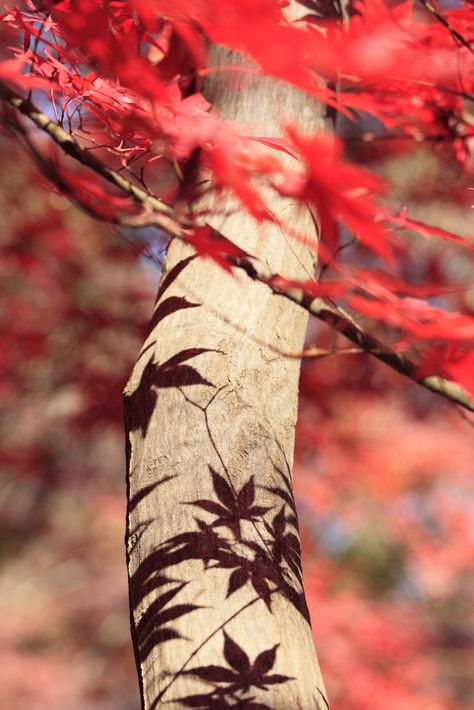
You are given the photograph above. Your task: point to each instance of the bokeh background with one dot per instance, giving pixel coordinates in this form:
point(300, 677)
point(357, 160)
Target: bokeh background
point(383, 470)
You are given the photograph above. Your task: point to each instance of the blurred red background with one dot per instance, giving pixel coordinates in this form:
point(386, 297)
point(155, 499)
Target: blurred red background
point(382, 475)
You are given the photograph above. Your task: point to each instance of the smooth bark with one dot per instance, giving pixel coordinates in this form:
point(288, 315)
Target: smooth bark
point(219, 617)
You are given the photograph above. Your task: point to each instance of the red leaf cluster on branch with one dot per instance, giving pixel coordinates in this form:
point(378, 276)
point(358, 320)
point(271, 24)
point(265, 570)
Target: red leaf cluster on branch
point(123, 79)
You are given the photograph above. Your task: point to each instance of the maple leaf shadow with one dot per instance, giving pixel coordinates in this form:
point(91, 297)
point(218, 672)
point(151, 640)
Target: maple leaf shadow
point(256, 545)
point(174, 372)
point(251, 544)
point(232, 684)
point(152, 628)
point(271, 561)
point(146, 490)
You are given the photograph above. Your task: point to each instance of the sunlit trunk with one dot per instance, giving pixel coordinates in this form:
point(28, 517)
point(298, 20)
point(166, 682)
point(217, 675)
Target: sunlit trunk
point(219, 615)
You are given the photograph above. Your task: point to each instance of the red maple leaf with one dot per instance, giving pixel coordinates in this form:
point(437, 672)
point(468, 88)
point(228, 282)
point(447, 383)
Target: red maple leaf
point(338, 190)
point(212, 245)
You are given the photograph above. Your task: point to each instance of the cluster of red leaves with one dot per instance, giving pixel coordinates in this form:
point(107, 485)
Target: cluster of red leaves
point(124, 78)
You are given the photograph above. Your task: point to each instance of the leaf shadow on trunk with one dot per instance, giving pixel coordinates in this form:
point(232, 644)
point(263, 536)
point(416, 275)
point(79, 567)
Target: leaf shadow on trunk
point(174, 372)
point(232, 683)
point(231, 533)
point(223, 539)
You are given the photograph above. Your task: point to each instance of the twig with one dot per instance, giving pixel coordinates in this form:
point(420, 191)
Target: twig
point(163, 214)
point(454, 33)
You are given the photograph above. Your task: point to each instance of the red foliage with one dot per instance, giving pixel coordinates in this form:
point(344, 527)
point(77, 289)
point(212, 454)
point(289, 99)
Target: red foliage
point(124, 79)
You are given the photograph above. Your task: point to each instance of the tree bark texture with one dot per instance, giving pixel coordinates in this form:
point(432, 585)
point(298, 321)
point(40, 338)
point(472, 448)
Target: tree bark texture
point(219, 617)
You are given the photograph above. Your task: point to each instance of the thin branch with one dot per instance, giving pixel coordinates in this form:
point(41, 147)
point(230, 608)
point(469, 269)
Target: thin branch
point(344, 324)
point(162, 213)
point(163, 216)
point(440, 18)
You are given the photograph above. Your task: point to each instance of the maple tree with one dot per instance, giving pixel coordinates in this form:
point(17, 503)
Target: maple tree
point(119, 86)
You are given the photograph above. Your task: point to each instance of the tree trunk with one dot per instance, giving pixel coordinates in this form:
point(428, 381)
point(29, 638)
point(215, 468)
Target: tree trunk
point(219, 617)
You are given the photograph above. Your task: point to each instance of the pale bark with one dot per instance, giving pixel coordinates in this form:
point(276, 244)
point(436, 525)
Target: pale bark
point(210, 414)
